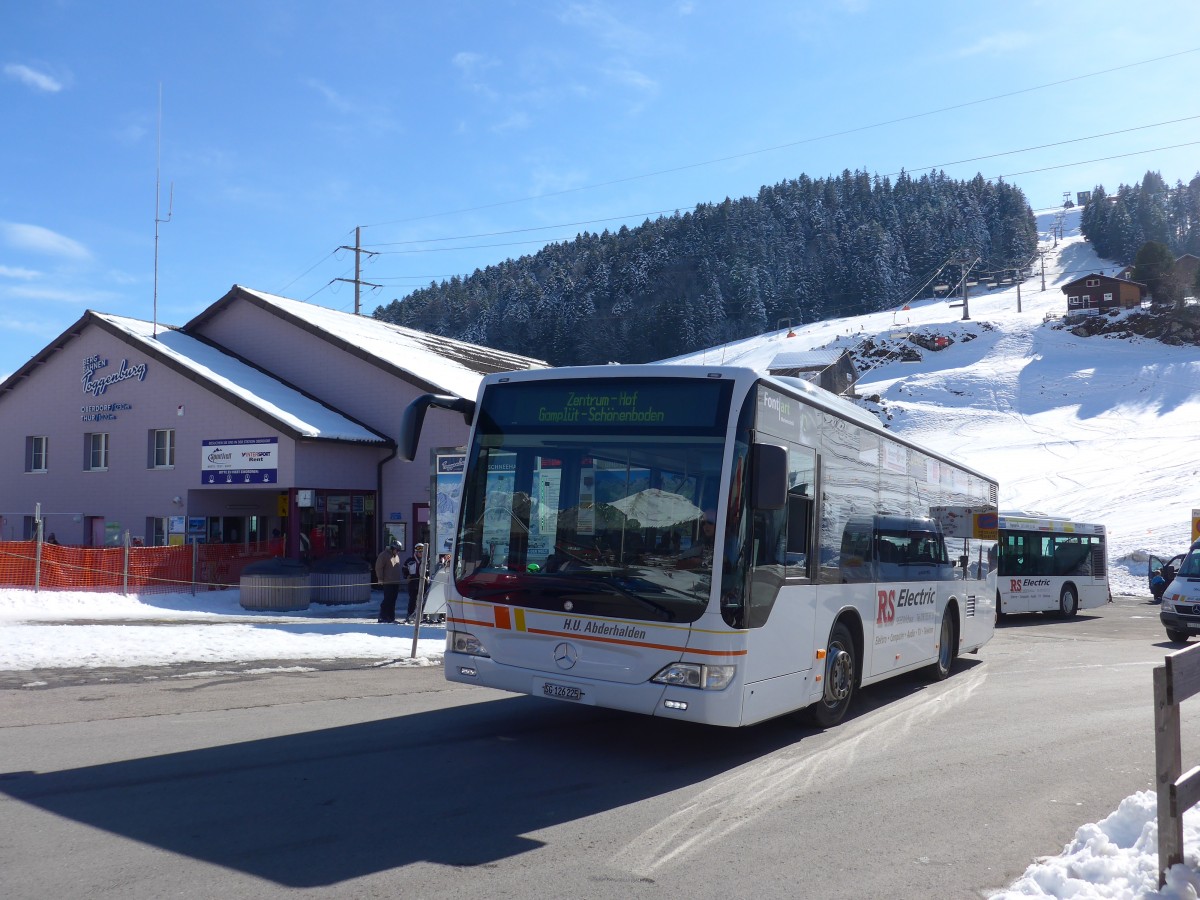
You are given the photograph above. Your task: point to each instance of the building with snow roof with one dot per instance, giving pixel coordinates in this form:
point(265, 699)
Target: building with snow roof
point(830, 368)
point(262, 414)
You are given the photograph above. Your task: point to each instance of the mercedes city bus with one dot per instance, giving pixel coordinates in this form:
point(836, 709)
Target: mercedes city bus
point(704, 544)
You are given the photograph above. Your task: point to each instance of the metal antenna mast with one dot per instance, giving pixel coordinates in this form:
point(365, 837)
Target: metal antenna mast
point(158, 207)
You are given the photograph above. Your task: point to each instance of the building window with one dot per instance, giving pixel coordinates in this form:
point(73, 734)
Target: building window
point(1093, 282)
point(162, 448)
point(1073, 302)
point(37, 448)
point(1108, 300)
point(97, 452)
point(156, 531)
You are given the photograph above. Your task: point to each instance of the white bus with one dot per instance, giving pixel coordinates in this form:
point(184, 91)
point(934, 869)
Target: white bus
point(1049, 564)
point(704, 544)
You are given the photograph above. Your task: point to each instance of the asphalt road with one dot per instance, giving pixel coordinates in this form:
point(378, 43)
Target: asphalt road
point(377, 782)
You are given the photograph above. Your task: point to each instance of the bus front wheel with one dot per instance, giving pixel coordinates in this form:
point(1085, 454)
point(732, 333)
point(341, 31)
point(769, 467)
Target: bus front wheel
point(840, 675)
point(1175, 636)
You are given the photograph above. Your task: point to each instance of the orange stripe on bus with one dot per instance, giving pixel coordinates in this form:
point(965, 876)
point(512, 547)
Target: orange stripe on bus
point(603, 640)
point(502, 619)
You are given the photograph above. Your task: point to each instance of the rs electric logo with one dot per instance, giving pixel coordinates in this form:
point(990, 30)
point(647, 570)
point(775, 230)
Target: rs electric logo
point(889, 600)
point(1016, 585)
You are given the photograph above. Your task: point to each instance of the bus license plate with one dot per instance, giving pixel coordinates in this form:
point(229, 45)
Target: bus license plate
point(561, 692)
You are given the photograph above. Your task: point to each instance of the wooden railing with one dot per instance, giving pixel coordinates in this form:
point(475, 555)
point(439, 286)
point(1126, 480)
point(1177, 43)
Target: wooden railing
point(1174, 681)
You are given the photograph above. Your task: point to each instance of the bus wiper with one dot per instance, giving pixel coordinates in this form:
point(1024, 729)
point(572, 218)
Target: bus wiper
point(645, 601)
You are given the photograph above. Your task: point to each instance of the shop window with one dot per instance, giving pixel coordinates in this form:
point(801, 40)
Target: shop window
point(156, 531)
point(162, 448)
point(37, 448)
point(96, 449)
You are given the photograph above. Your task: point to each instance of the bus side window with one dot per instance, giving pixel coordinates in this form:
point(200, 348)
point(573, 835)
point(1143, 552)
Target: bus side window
point(801, 510)
point(799, 533)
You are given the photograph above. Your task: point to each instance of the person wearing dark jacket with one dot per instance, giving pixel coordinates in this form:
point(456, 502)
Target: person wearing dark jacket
point(389, 572)
point(412, 572)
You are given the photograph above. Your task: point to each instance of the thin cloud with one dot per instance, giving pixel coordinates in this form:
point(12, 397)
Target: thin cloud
point(33, 78)
point(473, 66)
point(997, 44)
point(517, 121)
point(37, 239)
point(77, 297)
point(332, 97)
point(22, 274)
point(607, 28)
point(632, 78)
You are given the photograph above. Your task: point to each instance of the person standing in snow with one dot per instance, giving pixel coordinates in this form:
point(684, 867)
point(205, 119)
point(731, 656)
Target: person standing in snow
point(412, 571)
point(388, 572)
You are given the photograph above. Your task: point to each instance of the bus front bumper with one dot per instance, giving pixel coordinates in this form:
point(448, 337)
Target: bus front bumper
point(647, 698)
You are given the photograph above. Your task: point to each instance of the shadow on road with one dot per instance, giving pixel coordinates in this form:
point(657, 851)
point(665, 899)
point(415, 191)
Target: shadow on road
point(457, 786)
point(460, 786)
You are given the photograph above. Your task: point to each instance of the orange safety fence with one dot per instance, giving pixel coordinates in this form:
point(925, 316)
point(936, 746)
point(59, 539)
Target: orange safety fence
point(143, 570)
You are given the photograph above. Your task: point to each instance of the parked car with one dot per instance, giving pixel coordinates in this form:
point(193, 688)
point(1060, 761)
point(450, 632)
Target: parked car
point(1160, 573)
point(1180, 613)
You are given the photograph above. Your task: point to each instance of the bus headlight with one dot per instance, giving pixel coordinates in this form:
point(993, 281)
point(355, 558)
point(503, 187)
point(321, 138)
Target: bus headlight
point(695, 675)
point(465, 642)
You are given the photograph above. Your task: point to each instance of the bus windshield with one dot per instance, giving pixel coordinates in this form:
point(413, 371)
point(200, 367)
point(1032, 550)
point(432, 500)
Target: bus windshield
point(595, 497)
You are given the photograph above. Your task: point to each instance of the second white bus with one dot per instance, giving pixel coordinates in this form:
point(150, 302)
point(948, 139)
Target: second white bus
point(1050, 565)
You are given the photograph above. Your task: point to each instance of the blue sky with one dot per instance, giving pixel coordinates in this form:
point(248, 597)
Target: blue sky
point(459, 134)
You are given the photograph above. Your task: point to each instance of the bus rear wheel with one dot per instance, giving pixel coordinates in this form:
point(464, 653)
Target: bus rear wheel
point(1068, 602)
point(947, 648)
point(841, 670)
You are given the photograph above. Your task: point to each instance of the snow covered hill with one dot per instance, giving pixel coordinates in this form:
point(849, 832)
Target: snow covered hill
point(1099, 429)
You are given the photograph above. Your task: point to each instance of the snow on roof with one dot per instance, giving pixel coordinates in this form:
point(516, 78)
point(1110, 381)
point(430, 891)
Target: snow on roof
point(441, 363)
point(307, 417)
point(805, 359)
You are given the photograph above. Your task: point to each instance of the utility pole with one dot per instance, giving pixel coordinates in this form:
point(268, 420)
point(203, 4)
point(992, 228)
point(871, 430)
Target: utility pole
point(158, 220)
point(358, 282)
point(1042, 256)
point(1017, 279)
point(967, 267)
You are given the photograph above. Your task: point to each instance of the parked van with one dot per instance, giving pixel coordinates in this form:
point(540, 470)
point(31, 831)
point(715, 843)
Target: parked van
point(1180, 613)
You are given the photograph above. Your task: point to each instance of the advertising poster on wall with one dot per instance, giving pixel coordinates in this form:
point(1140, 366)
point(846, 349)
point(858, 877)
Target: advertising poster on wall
point(447, 487)
point(240, 461)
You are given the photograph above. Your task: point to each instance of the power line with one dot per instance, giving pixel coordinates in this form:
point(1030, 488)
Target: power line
point(889, 175)
point(1101, 159)
point(797, 143)
point(463, 237)
point(783, 146)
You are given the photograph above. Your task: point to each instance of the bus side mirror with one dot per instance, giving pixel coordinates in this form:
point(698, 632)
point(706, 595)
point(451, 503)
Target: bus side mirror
point(769, 473)
point(414, 419)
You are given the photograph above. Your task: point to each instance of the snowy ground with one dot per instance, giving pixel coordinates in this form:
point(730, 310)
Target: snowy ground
point(112, 631)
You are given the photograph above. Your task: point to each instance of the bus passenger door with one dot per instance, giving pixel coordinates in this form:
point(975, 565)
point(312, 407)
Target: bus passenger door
point(782, 596)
